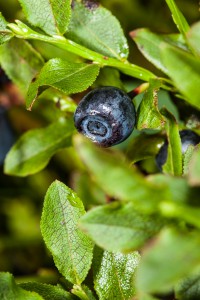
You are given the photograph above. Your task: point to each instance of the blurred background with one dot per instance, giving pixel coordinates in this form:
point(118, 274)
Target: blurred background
point(22, 251)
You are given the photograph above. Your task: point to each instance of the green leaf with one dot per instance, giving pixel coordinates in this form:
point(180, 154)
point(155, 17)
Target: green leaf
point(51, 16)
point(178, 17)
point(33, 150)
point(118, 179)
point(188, 288)
point(117, 227)
point(5, 34)
point(193, 38)
point(114, 274)
point(194, 168)
point(148, 115)
point(70, 247)
point(20, 61)
point(173, 164)
point(149, 45)
point(144, 146)
point(184, 69)
point(10, 291)
point(65, 76)
point(47, 291)
point(171, 257)
point(97, 29)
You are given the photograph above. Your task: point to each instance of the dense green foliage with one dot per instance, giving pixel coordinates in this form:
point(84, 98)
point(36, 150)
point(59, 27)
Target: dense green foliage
point(122, 230)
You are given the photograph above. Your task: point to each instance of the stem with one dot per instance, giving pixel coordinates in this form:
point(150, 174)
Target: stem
point(23, 31)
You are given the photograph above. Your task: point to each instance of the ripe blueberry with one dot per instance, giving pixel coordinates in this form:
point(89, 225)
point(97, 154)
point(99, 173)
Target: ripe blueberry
point(106, 115)
point(188, 137)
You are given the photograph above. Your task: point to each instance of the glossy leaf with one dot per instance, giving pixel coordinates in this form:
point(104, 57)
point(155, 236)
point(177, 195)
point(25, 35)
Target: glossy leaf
point(188, 288)
point(194, 168)
point(178, 17)
point(117, 227)
point(114, 274)
point(33, 150)
point(173, 164)
point(95, 28)
point(12, 54)
point(10, 291)
point(5, 33)
point(119, 180)
point(65, 76)
point(148, 115)
point(51, 16)
point(184, 69)
point(70, 247)
point(173, 256)
point(144, 146)
point(47, 291)
point(193, 37)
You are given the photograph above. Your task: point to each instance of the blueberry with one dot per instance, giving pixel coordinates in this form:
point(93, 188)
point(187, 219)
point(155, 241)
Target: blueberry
point(6, 135)
point(188, 137)
point(106, 115)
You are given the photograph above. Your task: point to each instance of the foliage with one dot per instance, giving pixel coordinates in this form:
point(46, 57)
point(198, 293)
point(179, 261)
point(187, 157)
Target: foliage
point(125, 231)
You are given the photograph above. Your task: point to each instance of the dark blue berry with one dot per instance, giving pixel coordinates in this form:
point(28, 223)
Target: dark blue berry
point(106, 115)
point(188, 137)
point(6, 135)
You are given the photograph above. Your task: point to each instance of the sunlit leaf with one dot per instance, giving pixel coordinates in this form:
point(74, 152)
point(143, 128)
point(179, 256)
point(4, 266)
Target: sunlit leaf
point(65, 76)
point(70, 247)
point(96, 28)
point(114, 274)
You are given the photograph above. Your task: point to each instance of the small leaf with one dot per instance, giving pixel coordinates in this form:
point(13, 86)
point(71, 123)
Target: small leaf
point(33, 150)
point(194, 168)
point(119, 180)
point(173, 164)
point(47, 291)
point(70, 247)
point(178, 17)
point(65, 76)
point(184, 69)
point(5, 34)
point(148, 115)
point(188, 288)
point(173, 256)
point(20, 62)
point(97, 29)
point(117, 227)
point(10, 291)
point(144, 146)
point(193, 37)
point(51, 16)
point(114, 274)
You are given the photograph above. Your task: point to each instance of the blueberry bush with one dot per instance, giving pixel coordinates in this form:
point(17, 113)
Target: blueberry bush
point(122, 222)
